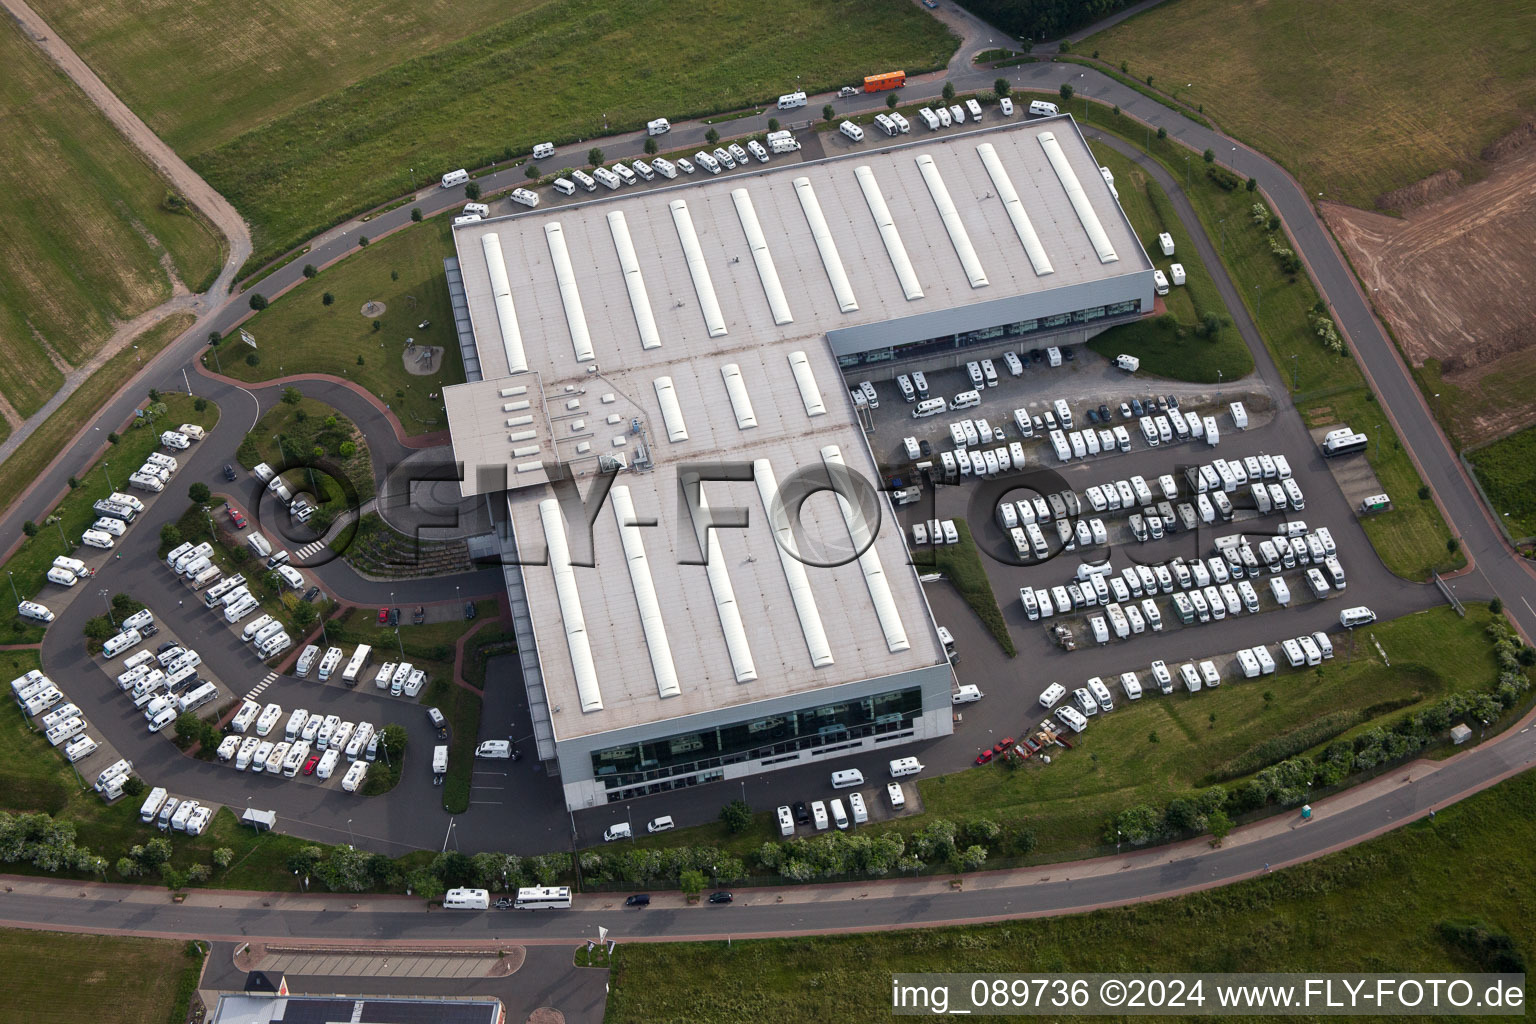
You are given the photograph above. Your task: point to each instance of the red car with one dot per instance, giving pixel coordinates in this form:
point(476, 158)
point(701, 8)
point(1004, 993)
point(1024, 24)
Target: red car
point(1006, 744)
point(383, 616)
point(236, 518)
point(309, 766)
point(985, 756)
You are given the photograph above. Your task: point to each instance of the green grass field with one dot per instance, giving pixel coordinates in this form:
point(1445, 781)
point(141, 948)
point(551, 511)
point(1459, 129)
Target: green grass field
point(548, 73)
point(1328, 388)
point(1375, 907)
point(1171, 350)
point(1355, 100)
point(31, 561)
point(1507, 471)
point(297, 333)
point(110, 978)
point(34, 454)
point(86, 230)
point(961, 565)
point(306, 422)
point(1118, 764)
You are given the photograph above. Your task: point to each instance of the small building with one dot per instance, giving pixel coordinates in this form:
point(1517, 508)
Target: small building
point(266, 983)
point(1460, 734)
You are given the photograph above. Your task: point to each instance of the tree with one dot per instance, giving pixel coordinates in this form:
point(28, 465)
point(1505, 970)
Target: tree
point(827, 113)
point(362, 241)
point(198, 873)
point(650, 146)
point(1219, 825)
point(1253, 184)
point(199, 404)
point(258, 301)
point(472, 191)
point(1452, 545)
point(155, 852)
point(949, 92)
point(303, 860)
point(223, 856)
point(737, 816)
point(1210, 156)
point(712, 137)
point(594, 156)
point(170, 535)
point(424, 883)
point(199, 493)
point(890, 100)
point(310, 270)
point(773, 124)
point(29, 528)
point(1162, 133)
point(1002, 87)
point(531, 172)
point(127, 867)
point(292, 396)
point(327, 299)
point(416, 214)
point(691, 882)
point(1496, 606)
point(1066, 91)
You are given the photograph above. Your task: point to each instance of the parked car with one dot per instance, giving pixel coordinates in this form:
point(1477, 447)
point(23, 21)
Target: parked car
point(229, 471)
point(720, 897)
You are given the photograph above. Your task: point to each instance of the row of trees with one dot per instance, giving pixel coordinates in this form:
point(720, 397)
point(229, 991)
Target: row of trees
point(1287, 783)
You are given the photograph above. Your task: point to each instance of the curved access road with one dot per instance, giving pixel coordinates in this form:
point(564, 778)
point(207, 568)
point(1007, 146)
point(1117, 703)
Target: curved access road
point(1408, 793)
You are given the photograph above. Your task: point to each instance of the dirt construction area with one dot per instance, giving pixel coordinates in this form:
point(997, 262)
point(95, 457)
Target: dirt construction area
point(1453, 278)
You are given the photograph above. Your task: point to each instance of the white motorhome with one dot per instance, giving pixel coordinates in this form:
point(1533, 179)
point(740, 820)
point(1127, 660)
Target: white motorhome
point(543, 150)
point(525, 197)
point(789, 101)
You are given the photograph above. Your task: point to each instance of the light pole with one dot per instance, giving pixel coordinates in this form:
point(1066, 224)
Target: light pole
point(1377, 441)
point(1258, 291)
point(108, 603)
point(59, 525)
point(17, 595)
point(351, 839)
point(1294, 370)
point(104, 467)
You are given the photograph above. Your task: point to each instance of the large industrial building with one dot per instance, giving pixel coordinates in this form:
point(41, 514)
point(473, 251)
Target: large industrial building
point(684, 345)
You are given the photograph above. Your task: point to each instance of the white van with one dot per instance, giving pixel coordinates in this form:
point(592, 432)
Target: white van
point(851, 130)
point(466, 899)
point(848, 778)
point(1040, 108)
point(457, 177)
point(900, 768)
point(120, 643)
point(839, 816)
point(789, 101)
point(564, 186)
point(660, 126)
point(1349, 618)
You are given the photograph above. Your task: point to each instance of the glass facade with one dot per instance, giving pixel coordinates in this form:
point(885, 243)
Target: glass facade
point(689, 758)
point(988, 335)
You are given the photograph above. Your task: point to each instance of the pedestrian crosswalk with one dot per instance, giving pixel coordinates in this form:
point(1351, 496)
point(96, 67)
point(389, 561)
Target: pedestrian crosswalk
point(265, 682)
point(310, 549)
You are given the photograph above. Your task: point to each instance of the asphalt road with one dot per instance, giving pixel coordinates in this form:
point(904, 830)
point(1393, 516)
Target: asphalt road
point(1496, 572)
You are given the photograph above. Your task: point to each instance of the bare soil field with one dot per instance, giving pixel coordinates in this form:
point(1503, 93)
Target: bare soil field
point(1453, 278)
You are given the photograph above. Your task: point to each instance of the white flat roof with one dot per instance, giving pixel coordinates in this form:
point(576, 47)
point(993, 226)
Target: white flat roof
point(664, 335)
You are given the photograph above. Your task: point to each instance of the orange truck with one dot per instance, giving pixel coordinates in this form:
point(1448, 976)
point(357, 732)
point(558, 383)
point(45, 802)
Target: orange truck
point(889, 80)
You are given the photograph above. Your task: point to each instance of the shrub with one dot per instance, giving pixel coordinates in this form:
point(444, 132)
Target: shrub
point(253, 359)
point(1223, 177)
point(170, 535)
point(199, 493)
point(29, 528)
point(327, 299)
point(472, 191)
point(310, 270)
point(1066, 90)
point(113, 438)
point(531, 172)
point(200, 404)
point(1162, 133)
point(712, 137)
point(594, 156)
point(416, 214)
point(949, 92)
point(1002, 87)
point(258, 302)
point(362, 241)
point(737, 816)
point(650, 147)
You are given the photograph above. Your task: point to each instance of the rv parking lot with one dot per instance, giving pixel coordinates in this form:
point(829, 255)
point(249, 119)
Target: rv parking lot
point(1013, 687)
